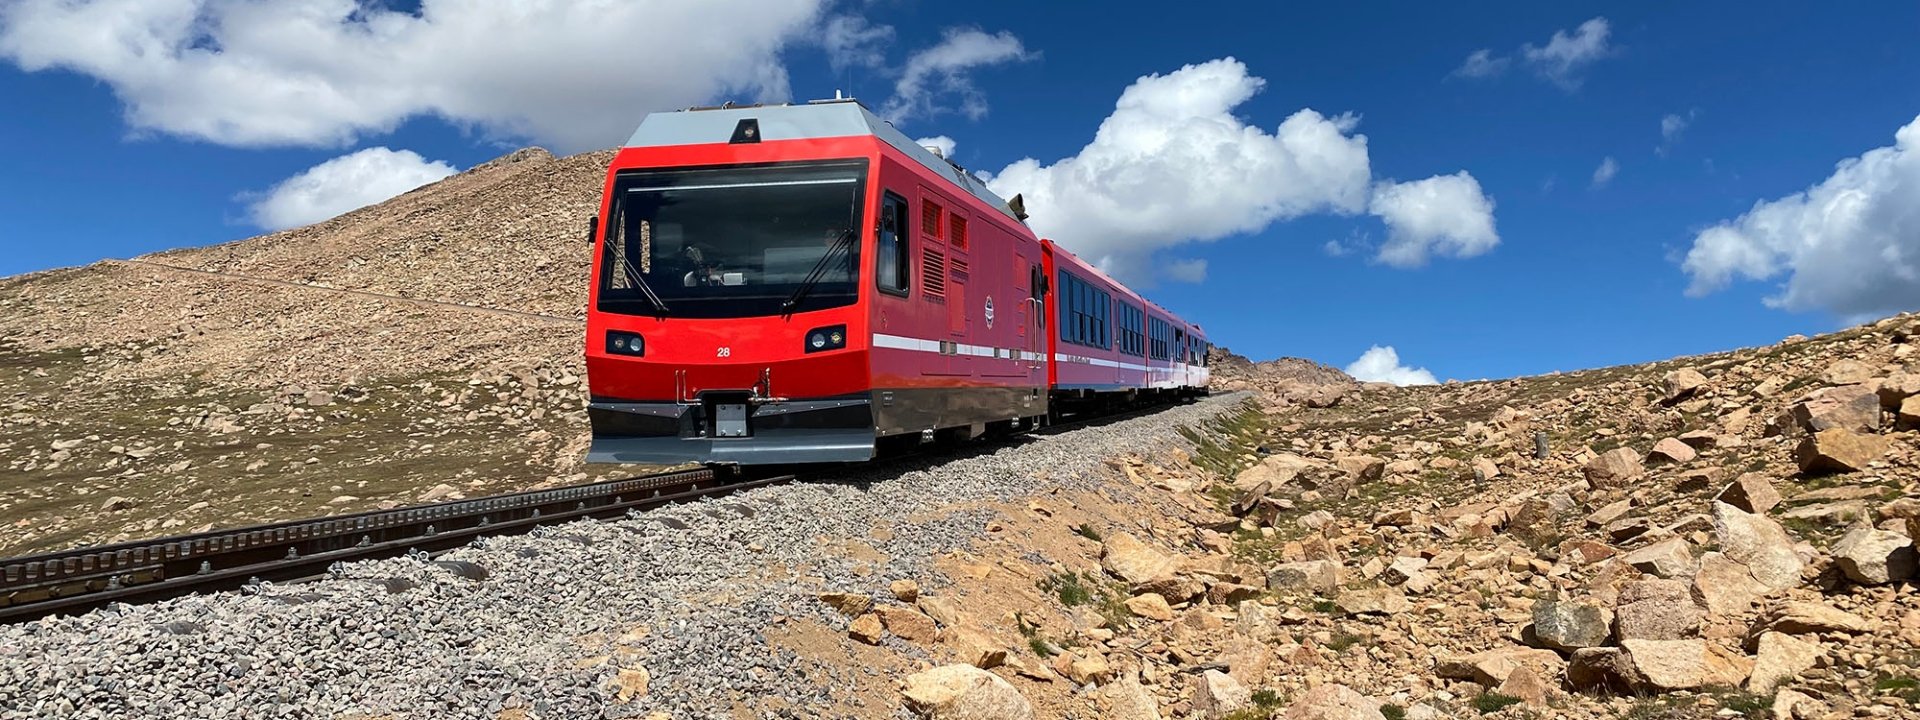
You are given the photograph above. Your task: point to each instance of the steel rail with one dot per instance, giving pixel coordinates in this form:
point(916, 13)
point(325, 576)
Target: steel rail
point(84, 578)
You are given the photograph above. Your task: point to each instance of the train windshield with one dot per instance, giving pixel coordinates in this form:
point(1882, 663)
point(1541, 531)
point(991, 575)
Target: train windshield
point(733, 242)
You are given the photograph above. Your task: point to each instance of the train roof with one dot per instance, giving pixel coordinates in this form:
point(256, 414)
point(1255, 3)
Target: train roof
point(818, 119)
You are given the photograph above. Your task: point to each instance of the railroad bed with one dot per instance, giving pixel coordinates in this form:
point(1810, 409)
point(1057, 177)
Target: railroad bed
point(689, 591)
point(83, 579)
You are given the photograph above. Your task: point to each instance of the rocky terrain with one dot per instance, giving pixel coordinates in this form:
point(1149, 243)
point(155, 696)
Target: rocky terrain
point(1728, 536)
point(420, 348)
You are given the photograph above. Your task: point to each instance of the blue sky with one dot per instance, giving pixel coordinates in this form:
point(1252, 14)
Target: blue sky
point(1528, 263)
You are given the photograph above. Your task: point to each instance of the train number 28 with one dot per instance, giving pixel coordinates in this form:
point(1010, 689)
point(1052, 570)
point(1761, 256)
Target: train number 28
point(723, 352)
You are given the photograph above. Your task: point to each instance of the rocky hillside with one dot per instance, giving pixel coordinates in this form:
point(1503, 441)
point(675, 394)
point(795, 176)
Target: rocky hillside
point(431, 340)
point(1727, 536)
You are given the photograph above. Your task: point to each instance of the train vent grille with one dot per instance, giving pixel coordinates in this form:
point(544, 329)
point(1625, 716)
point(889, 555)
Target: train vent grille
point(933, 270)
point(959, 267)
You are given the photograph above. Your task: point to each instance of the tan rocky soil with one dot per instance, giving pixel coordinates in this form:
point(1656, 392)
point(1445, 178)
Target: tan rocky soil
point(1724, 536)
point(418, 349)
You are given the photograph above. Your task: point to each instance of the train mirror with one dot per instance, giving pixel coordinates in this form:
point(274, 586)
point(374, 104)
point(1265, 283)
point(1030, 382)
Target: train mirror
point(593, 228)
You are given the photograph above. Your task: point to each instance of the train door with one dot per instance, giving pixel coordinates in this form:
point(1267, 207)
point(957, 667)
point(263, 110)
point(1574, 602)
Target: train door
point(1014, 338)
point(1177, 369)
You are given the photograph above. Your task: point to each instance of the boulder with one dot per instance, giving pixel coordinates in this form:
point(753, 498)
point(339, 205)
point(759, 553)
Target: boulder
point(905, 591)
point(1838, 450)
point(1853, 407)
point(1614, 468)
point(1372, 601)
point(964, 692)
point(1847, 371)
point(1751, 492)
point(1217, 695)
point(1656, 609)
point(1492, 667)
point(1875, 557)
point(1759, 543)
point(1896, 388)
point(1681, 384)
point(1671, 450)
point(1907, 416)
point(1362, 468)
point(1805, 618)
point(1484, 469)
point(1127, 700)
point(1779, 658)
point(1725, 587)
point(1527, 685)
point(974, 647)
point(1571, 624)
point(1129, 559)
point(1334, 702)
point(1150, 606)
point(1322, 576)
point(1086, 669)
point(849, 604)
point(1598, 668)
point(1668, 558)
point(866, 629)
point(908, 624)
point(1666, 665)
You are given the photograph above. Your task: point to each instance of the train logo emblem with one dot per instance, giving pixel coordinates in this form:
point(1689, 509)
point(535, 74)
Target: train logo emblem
point(989, 312)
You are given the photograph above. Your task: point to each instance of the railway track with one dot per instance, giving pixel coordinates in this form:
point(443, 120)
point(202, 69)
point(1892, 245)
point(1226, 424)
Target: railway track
point(75, 581)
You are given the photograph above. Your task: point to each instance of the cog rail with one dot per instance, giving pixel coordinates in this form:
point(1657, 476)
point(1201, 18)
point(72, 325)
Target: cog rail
point(75, 581)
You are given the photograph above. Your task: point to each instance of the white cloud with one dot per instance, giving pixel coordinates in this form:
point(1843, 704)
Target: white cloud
point(1173, 164)
point(1565, 56)
point(1445, 215)
point(345, 183)
point(1382, 364)
point(1562, 61)
point(1482, 64)
point(1604, 174)
point(852, 42)
point(946, 144)
point(1188, 271)
point(323, 73)
point(942, 71)
point(1671, 127)
point(1849, 245)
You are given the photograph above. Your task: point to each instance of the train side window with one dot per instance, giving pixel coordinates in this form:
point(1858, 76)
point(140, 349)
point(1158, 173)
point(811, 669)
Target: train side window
point(893, 267)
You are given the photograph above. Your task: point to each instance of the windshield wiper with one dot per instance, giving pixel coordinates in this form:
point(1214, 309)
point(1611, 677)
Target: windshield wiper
point(633, 276)
point(819, 271)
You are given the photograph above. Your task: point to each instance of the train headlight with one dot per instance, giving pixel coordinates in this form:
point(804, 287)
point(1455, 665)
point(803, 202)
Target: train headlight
point(833, 337)
point(626, 343)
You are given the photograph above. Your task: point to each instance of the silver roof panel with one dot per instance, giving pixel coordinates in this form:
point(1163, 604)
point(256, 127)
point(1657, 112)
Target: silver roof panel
point(800, 122)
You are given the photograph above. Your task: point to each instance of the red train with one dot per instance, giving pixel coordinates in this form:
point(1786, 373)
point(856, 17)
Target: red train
point(803, 283)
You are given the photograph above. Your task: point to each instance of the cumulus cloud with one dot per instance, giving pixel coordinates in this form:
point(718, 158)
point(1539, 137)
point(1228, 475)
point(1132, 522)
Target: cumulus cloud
point(1482, 64)
point(1445, 215)
point(1382, 364)
point(946, 144)
point(943, 73)
point(1604, 174)
point(323, 73)
point(1565, 56)
point(1849, 245)
point(1191, 271)
point(1671, 126)
point(1562, 61)
point(1173, 164)
point(345, 183)
point(852, 42)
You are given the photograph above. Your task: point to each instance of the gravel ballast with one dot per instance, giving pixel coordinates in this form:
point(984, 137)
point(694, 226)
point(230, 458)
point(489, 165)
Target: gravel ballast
point(680, 591)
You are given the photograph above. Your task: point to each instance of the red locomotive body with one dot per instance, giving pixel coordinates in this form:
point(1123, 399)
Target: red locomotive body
point(788, 284)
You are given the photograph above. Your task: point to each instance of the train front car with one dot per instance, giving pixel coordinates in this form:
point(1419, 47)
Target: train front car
point(754, 276)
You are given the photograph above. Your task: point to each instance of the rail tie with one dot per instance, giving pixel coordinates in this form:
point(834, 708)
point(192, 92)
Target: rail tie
point(75, 581)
